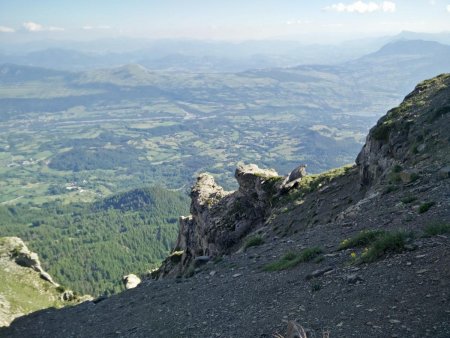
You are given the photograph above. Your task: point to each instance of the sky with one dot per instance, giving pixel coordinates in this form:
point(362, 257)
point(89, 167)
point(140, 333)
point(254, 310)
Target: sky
point(318, 20)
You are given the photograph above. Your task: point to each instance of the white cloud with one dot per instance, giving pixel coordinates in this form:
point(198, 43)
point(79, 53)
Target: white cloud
point(33, 27)
point(4, 29)
point(36, 27)
point(89, 27)
point(448, 8)
point(363, 7)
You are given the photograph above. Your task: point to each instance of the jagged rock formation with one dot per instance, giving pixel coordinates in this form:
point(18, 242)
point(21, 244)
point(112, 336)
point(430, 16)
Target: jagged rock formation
point(219, 219)
point(398, 193)
point(24, 257)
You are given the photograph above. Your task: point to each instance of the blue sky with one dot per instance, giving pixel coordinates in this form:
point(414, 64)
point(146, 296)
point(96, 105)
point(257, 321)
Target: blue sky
point(219, 19)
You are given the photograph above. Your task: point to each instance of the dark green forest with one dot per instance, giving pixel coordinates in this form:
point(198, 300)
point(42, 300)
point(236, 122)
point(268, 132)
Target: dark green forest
point(88, 247)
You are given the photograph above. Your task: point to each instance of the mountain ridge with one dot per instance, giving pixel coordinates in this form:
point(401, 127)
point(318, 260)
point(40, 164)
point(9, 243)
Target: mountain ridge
point(350, 250)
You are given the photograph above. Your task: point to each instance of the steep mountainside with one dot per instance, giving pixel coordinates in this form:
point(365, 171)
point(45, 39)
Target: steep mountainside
point(359, 251)
point(25, 287)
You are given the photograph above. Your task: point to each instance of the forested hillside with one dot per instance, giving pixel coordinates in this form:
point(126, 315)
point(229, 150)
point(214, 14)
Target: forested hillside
point(89, 247)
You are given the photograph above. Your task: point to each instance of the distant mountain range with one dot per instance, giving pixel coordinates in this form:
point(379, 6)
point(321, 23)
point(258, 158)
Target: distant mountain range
point(197, 56)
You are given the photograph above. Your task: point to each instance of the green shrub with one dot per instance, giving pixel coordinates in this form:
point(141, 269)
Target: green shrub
point(60, 289)
point(387, 242)
point(424, 207)
point(253, 241)
point(365, 237)
point(316, 287)
point(217, 259)
point(397, 168)
point(382, 131)
point(389, 189)
point(292, 259)
point(437, 228)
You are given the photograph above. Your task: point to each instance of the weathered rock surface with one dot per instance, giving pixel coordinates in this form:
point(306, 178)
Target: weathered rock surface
point(419, 125)
point(219, 219)
point(24, 257)
point(131, 281)
point(294, 178)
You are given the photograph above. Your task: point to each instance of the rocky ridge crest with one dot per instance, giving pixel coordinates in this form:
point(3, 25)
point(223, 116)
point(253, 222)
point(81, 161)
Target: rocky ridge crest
point(219, 219)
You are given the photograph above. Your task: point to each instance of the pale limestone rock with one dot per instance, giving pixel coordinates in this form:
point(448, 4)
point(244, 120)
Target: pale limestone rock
point(131, 281)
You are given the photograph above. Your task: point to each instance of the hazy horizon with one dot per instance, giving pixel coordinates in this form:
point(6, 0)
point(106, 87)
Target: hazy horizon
point(324, 21)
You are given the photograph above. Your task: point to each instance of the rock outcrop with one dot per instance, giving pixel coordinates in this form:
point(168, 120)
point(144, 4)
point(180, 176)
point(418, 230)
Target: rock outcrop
point(219, 219)
point(294, 178)
point(24, 257)
point(409, 133)
point(24, 285)
point(131, 281)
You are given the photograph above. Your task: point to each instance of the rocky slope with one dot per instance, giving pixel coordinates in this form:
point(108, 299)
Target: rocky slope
point(360, 251)
point(25, 287)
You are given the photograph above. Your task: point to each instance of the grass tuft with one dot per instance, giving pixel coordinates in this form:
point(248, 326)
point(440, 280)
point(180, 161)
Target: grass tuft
point(253, 241)
point(408, 199)
point(424, 207)
point(365, 237)
point(292, 259)
point(385, 243)
point(437, 228)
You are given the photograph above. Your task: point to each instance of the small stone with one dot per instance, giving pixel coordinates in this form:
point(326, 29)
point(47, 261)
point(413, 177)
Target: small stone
point(420, 256)
point(419, 272)
point(408, 263)
point(353, 278)
point(410, 247)
point(237, 275)
point(444, 173)
point(200, 260)
point(318, 273)
point(394, 321)
point(212, 273)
